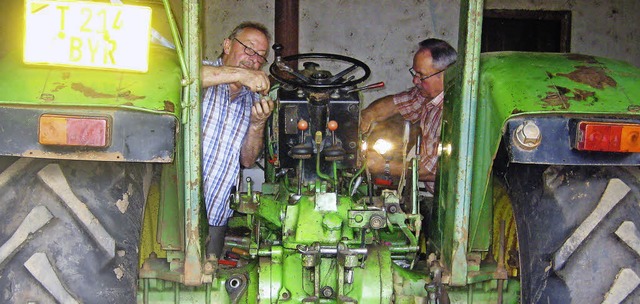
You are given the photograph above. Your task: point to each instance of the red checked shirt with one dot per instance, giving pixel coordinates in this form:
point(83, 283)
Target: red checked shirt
point(414, 107)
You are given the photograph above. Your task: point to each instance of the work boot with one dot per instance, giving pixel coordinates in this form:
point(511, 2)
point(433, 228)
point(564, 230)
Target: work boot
point(216, 240)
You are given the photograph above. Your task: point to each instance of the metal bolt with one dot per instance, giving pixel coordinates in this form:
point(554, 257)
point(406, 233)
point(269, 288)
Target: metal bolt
point(376, 222)
point(392, 208)
point(234, 283)
point(327, 292)
point(527, 135)
point(285, 295)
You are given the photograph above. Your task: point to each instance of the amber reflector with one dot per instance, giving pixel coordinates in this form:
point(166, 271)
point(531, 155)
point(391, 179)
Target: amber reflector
point(608, 137)
point(62, 130)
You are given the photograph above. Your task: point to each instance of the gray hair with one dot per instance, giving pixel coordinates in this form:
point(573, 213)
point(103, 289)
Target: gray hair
point(442, 52)
point(249, 24)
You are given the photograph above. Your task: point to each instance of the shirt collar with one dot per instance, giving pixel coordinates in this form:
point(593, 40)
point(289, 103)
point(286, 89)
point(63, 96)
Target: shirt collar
point(438, 100)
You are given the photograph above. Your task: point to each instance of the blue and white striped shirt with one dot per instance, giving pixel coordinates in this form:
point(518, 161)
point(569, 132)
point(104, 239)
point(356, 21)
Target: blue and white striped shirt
point(224, 125)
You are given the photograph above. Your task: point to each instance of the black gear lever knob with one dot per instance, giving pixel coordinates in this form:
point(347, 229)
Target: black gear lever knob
point(277, 48)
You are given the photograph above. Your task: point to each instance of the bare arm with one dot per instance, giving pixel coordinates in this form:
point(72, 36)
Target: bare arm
point(379, 110)
point(255, 80)
point(254, 139)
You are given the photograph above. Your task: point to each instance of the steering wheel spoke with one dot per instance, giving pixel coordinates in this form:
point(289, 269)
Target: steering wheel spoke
point(338, 76)
point(284, 73)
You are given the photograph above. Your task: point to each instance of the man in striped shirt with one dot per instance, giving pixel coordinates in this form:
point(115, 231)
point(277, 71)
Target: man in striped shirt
point(422, 103)
point(233, 119)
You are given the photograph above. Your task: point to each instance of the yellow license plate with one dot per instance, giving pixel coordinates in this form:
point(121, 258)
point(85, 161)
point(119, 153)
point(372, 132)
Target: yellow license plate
point(87, 34)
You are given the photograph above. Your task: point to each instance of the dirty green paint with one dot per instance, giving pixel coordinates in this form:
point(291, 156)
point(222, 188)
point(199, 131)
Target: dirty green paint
point(513, 84)
point(192, 153)
point(304, 225)
point(271, 210)
point(458, 131)
point(76, 87)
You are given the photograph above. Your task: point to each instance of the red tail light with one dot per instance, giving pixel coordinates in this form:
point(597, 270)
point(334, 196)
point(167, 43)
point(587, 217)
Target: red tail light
point(608, 137)
point(63, 130)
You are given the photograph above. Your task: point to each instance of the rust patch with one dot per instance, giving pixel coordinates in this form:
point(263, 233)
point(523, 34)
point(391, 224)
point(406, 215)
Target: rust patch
point(516, 111)
point(66, 75)
point(89, 92)
point(580, 95)
point(78, 155)
point(591, 76)
point(59, 86)
point(633, 108)
point(168, 106)
point(557, 98)
point(561, 97)
point(582, 58)
point(47, 97)
point(562, 90)
point(129, 96)
point(89, 155)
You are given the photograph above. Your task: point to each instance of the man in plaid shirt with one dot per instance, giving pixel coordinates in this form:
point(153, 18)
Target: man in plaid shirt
point(233, 120)
point(422, 103)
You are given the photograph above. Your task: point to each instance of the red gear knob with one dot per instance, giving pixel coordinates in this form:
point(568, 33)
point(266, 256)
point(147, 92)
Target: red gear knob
point(303, 125)
point(332, 125)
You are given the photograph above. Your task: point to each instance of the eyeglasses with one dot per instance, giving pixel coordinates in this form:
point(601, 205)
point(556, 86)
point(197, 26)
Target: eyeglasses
point(417, 74)
point(251, 52)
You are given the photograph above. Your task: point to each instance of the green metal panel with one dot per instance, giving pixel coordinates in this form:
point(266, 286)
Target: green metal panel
point(308, 225)
point(485, 293)
point(61, 86)
point(157, 90)
point(510, 84)
point(155, 291)
point(513, 84)
point(171, 214)
point(191, 120)
point(458, 131)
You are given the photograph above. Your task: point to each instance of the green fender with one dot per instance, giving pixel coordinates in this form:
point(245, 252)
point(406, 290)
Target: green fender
point(513, 84)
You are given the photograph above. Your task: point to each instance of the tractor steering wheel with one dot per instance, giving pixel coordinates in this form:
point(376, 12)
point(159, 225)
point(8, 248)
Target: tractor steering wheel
point(282, 72)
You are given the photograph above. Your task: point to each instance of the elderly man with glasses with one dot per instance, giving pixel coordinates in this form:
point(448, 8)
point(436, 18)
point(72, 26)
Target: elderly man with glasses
point(234, 115)
point(422, 103)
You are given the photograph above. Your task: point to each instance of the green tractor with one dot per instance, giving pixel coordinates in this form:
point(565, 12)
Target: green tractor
point(92, 123)
point(536, 198)
point(538, 179)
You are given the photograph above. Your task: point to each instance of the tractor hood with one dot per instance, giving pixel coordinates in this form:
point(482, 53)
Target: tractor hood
point(514, 83)
point(158, 90)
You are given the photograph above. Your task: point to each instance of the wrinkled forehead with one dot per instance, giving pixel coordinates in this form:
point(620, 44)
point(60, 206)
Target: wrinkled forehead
point(422, 61)
point(254, 39)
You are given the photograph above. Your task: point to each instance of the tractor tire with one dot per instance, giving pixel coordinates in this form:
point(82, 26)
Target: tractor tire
point(578, 233)
point(70, 230)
